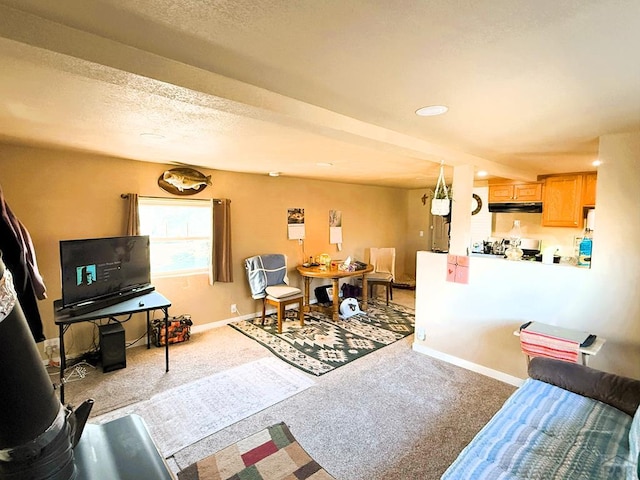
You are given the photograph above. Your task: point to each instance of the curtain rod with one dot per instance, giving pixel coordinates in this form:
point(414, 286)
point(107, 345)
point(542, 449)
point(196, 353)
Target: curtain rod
point(126, 195)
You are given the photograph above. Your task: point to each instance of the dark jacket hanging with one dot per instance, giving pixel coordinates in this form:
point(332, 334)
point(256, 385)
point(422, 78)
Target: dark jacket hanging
point(20, 258)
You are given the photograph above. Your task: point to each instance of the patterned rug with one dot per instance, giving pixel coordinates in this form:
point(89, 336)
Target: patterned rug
point(181, 416)
point(323, 345)
point(270, 454)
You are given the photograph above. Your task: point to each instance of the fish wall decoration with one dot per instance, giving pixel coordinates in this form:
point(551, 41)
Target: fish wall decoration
point(183, 181)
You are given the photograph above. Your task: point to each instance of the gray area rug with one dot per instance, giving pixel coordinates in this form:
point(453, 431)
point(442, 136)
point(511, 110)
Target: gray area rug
point(183, 415)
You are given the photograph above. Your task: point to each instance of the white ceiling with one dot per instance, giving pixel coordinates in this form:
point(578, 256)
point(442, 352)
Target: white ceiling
point(280, 85)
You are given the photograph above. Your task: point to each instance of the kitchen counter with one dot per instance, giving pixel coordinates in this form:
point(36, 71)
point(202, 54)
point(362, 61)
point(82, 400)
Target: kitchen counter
point(474, 322)
point(563, 261)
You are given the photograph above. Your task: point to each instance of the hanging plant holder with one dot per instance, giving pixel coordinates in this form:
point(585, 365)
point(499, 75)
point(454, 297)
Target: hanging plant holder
point(440, 207)
point(441, 203)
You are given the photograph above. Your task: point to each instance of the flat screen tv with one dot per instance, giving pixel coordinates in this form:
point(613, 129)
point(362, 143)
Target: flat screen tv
point(97, 271)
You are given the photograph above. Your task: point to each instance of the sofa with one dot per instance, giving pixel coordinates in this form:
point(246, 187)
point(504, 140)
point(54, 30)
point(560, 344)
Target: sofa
point(567, 421)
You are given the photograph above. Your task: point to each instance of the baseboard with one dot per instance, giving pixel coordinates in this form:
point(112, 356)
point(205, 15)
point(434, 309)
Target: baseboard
point(227, 321)
point(474, 367)
point(221, 323)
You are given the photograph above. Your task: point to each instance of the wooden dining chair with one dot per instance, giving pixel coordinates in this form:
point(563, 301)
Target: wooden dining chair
point(384, 269)
point(268, 281)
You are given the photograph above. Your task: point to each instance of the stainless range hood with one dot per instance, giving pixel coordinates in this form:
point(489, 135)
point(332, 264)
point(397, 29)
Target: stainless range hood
point(516, 207)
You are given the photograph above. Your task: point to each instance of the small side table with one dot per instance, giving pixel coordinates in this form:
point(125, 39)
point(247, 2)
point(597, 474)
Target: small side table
point(585, 352)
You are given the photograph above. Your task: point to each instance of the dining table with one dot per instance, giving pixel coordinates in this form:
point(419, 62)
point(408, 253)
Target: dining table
point(335, 274)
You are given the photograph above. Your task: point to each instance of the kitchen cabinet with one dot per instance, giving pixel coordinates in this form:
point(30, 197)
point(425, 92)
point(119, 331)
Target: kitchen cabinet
point(515, 192)
point(589, 190)
point(563, 201)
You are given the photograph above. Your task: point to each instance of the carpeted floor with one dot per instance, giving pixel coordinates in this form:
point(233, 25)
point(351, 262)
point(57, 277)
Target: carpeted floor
point(394, 414)
point(322, 345)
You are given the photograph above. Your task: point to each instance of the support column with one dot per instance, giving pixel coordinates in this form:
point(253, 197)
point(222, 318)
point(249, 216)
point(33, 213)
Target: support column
point(460, 231)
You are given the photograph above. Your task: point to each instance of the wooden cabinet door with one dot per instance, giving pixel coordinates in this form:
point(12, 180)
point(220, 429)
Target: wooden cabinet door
point(527, 192)
point(500, 193)
point(562, 201)
point(589, 190)
point(515, 192)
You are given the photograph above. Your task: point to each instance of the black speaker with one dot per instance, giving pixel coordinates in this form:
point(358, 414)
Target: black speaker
point(112, 347)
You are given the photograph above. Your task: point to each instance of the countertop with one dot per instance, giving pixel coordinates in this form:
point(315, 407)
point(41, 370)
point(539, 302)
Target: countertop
point(564, 261)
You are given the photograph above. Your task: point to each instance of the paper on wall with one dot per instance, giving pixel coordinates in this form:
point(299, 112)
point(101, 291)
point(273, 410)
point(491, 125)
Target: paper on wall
point(335, 228)
point(295, 223)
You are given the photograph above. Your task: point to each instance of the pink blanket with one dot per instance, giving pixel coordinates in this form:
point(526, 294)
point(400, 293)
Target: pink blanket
point(540, 345)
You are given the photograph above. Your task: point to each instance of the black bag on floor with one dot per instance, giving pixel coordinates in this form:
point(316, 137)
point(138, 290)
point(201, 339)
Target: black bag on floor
point(351, 291)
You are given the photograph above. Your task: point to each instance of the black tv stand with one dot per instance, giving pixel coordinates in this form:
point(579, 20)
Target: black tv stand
point(94, 305)
point(141, 304)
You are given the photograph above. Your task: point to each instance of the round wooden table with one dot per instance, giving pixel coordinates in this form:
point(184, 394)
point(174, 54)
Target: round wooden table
point(308, 273)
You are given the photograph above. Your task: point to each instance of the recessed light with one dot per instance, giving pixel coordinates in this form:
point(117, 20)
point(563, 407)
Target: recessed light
point(274, 174)
point(153, 136)
point(481, 173)
point(324, 164)
point(432, 110)
point(596, 163)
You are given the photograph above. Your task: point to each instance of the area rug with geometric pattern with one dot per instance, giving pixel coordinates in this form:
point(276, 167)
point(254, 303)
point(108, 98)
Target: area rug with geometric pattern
point(322, 345)
point(271, 454)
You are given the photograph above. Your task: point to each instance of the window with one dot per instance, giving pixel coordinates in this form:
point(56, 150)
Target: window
point(180, 233)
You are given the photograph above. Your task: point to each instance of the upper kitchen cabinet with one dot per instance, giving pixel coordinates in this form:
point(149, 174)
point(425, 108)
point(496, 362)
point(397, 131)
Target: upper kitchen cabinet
point(515, 192)
point(564, 198)
point(589, 189)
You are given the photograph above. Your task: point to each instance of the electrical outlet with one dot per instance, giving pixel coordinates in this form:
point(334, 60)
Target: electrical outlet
point(52, 344)
point(234, 308)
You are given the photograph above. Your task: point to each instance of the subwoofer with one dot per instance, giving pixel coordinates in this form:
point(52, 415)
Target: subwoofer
point(112, 347)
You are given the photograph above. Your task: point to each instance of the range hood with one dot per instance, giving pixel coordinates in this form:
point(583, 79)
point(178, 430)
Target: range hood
point(516, 207)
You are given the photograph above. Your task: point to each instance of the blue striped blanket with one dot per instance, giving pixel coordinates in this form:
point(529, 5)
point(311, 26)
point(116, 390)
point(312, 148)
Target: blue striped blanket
point(547, 433)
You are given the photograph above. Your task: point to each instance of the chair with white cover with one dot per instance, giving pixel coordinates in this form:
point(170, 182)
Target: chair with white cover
point(268, 281)
point(384, 269)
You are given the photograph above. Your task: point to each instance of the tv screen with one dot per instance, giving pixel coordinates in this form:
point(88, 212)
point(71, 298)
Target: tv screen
point(100, 268)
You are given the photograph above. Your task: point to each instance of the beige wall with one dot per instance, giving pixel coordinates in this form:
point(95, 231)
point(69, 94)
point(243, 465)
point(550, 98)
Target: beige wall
point(418, 220)
point(63, 195)
point(473, 324)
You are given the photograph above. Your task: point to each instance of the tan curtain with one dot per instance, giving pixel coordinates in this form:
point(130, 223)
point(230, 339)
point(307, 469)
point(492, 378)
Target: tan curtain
point(133, 219)
point(222, 262)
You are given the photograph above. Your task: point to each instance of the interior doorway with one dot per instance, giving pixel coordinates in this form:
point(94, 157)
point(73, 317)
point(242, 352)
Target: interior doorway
point(440, 234)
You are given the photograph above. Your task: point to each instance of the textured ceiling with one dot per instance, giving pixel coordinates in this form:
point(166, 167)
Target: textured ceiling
point(281, 85)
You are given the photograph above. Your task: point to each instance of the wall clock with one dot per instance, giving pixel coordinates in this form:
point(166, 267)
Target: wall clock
point(476, 204)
